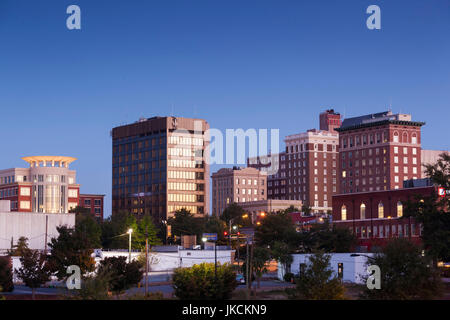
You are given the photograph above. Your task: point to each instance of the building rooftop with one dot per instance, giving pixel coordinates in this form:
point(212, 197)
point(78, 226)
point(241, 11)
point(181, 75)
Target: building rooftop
point(376, 119)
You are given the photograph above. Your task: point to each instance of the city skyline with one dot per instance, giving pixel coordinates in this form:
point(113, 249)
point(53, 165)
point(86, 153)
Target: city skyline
point(63, 91)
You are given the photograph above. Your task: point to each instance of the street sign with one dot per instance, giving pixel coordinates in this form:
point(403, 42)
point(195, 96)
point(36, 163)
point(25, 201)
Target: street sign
point(210, 236)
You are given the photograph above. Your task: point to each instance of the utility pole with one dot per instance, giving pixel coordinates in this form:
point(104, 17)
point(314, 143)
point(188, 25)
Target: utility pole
point(46, 231)
point(247, 272)
point(215, 260)
point(146, 260)
point(250, 267)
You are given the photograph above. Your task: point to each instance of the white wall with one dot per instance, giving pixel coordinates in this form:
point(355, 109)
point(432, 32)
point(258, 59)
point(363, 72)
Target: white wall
point(354, 267)
point(164, 261)
point(31, 225)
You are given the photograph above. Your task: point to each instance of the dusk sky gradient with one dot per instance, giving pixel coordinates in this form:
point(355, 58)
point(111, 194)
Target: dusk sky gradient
point(237, 64)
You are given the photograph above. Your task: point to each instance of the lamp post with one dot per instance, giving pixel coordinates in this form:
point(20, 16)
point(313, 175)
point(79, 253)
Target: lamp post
point(130, 231)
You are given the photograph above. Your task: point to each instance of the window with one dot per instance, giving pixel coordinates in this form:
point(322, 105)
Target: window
point(362, 211)
point(380, 210)
point(25, 192)
point(73, 193)
point(399, 209)
point(343, 212)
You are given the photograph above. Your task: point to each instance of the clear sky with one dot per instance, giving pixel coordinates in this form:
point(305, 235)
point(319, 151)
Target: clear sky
point(236, 63)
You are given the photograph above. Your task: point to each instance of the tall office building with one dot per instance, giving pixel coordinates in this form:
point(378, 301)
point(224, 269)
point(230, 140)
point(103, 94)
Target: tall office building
point(379, 151)
point(160, 166)
point(47, 186)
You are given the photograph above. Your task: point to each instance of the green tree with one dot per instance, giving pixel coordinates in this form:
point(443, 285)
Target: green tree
point(139, 235)
point(405, 273)
point(328, 238)
point(306, 210)
point(89, 228)
point(19, 249)
point(34, 271)
point(184, 223)
point(199, 283)
point(122, 275)
point(6, 274)
point(70, 248)
point(276, 227)
point(282, 252)
point(114, 230)
point(318, 281)
point(234, 212)
point(259, 260)
point(432, 211)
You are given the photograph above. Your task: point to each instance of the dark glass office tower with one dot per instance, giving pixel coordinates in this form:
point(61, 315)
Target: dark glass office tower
point(160, 166)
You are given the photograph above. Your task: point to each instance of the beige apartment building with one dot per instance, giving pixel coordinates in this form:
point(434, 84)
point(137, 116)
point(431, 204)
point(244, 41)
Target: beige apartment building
point(237, 185)
point(430, 157)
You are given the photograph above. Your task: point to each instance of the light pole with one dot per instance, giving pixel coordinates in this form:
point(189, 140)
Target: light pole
point(130, 231)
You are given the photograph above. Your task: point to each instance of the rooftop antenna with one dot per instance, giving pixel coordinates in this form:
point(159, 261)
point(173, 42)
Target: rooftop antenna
point(390, 105)
point(172, 110)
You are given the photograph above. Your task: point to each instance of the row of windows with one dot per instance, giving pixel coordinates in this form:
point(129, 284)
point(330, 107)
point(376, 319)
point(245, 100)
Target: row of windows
point(172, 197)
point(186, 140)
point(362, 210)
point(10, 192)
point(184, 152)
point(302, 147)
point(386, 231)
point(134, 146)
point(97, 202)
point(192, 209)
point(365, 139)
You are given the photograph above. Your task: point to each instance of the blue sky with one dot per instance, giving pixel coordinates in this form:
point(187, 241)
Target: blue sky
point(238, 64)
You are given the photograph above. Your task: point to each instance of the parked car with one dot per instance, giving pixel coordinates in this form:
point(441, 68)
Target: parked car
point(240, 278)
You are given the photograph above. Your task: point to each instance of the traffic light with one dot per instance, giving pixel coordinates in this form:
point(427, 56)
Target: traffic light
point(225, 233)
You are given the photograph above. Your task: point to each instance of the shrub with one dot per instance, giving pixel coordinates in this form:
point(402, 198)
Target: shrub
point(122, 275)
point(318, 281)
point(93, 288)
point(150, 296)
point(199, 282)
point(6, 274)
point(405, 273)
point(288, 277)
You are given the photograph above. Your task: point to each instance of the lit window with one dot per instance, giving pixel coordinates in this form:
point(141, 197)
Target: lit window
point(344, 213)
point(380, 210)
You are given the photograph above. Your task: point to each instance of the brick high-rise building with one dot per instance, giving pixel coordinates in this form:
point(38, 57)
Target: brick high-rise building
point(312, 168)
point(275, 167)
point(308, 169)
point(378, 152)
point(237, 185)
point(160, 166)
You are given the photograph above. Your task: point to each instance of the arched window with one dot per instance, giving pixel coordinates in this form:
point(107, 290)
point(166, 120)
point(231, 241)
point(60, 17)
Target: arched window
point(399, 209)
point(414, 138)
point(405, 138)
point(395, 136)
point(362, 211)
point(343, 212)
point(380, 210)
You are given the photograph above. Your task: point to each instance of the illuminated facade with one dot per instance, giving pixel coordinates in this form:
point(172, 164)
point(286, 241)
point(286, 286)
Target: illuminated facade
point(160, 166)
point(47, 186)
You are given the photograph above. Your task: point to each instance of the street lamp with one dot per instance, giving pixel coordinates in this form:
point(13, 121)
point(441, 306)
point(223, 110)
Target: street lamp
point(130, 231)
